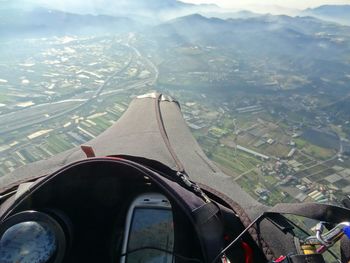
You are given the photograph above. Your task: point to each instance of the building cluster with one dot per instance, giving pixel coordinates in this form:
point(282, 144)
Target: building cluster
point(54, 96)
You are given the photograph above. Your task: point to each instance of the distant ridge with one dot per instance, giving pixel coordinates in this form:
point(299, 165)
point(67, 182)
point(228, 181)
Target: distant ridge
point(265, 35)
point(334, 13)
point(46, 21)
point(150, 11)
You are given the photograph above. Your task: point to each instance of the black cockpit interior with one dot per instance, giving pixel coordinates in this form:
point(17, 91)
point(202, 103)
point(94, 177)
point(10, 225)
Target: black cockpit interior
point(90, 201)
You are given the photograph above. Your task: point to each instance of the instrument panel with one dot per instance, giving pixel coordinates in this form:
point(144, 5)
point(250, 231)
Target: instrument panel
point(81, 215)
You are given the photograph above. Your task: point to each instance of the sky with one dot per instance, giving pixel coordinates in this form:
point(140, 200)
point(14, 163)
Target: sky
point(293, 4)
point(288, 7)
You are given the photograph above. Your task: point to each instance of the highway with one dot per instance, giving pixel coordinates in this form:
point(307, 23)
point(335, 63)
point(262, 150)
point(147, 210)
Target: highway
point(49, 111)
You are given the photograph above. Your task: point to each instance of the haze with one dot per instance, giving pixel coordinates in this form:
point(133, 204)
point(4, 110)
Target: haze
point(288, 7)
point(283, 3)
point(266, 96)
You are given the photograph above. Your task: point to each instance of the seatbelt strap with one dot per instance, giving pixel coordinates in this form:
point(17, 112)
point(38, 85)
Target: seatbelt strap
point(204, 213)
point(321, 212)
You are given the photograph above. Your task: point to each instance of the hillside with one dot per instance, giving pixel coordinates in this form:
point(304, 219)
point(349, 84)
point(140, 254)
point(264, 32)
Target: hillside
point(335, 13)
point(41, 21)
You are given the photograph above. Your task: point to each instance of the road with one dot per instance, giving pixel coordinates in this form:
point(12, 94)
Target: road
point(335, 156)
point(36, 114)
point(242, 174)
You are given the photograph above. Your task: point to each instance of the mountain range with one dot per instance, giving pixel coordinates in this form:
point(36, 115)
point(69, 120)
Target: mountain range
point(41, 21)
point(334, 13)
point(314, 50)
point(309, 48)
point(129, 15)
point(155, 11)
point(302, 36)
point(309, 42)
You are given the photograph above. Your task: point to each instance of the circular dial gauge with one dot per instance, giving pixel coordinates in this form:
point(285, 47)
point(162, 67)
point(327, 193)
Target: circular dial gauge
point(28, 242)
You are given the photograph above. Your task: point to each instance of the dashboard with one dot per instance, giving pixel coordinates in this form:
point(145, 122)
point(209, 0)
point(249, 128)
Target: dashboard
point(80, 215)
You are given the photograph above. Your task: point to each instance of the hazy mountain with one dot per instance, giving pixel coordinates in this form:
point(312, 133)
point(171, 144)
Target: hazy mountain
point(156, 9)
point(150, 9)
point(305, 45)
point(41, 21)
point(272, 9)
point(285, 34)
point(335, 13)
point(230, 14)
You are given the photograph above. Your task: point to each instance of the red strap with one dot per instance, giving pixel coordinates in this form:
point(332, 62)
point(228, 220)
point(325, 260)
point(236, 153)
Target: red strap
point(248, 253)
point(280, 259)
point(88, 151)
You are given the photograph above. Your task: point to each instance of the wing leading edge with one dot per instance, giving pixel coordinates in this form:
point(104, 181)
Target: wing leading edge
point(152, 127)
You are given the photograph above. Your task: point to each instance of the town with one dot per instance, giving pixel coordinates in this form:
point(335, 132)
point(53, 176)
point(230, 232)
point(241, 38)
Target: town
point(61, 92)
